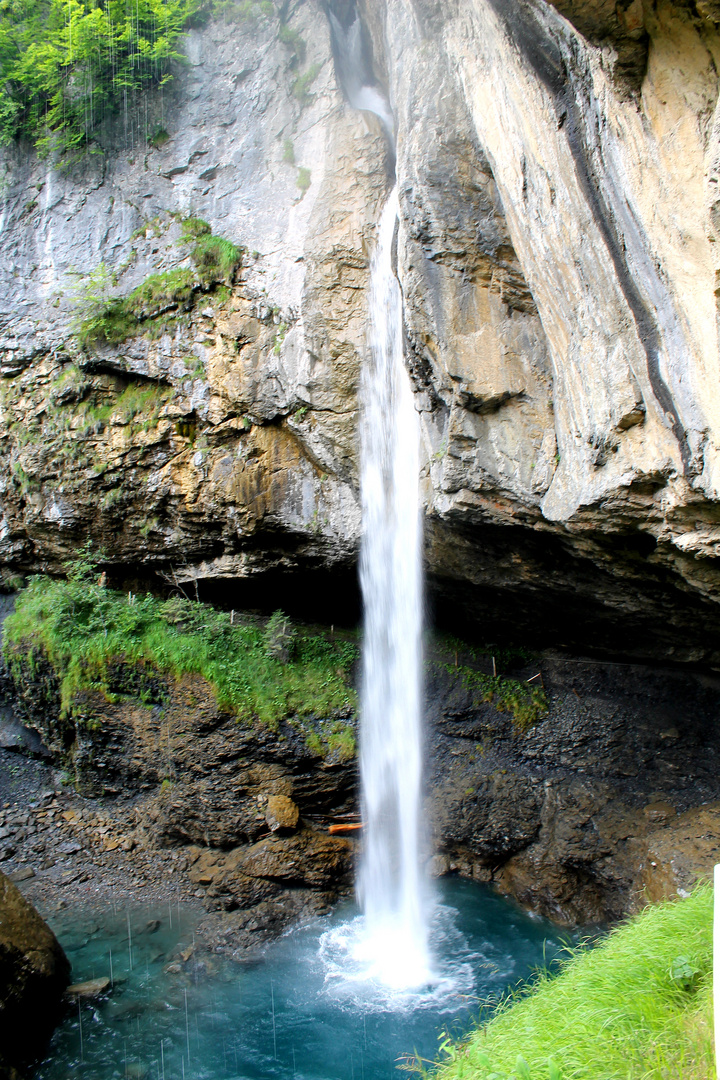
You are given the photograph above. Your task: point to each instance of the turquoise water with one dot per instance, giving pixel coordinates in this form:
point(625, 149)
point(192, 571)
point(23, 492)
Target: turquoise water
point(304, 1011)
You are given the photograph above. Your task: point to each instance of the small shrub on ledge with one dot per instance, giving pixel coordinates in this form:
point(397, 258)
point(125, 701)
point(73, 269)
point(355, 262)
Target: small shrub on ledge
point(151, 306)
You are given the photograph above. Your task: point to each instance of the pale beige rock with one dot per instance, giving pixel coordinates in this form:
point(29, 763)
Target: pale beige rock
point(281, 813)
point(91, 989)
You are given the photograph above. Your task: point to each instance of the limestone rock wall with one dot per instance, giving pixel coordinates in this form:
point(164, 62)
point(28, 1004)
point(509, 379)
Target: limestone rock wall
point(559, 268)
point(251, 425)
point(558, 171)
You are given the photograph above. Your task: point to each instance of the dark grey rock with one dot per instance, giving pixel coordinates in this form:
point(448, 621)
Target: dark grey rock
point(33, 975)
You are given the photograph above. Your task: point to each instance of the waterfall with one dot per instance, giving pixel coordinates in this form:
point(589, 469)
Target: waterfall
point(390, 886)
point(353, 73)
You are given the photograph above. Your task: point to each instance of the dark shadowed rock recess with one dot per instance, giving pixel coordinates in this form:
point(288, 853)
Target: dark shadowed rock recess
point(34, 972)
point(558, 169)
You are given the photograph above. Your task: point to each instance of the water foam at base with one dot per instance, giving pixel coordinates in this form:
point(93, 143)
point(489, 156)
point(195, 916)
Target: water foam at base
point(359, 973)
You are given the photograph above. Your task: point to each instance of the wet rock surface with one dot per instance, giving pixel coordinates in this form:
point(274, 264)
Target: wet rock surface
point(34, 972)
point(174, 801)
point(558, 260)
point(67, 851)
point(610, 799)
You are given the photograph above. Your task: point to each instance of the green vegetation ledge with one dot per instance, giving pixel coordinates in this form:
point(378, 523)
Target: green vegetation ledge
point(638, 1006)
point(69, 636)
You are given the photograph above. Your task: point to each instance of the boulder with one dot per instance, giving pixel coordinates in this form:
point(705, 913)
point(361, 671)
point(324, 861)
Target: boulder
point(34, 972)
point(281, 813)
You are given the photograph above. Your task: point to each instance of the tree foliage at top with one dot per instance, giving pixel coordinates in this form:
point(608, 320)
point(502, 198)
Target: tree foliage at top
point(66, 64)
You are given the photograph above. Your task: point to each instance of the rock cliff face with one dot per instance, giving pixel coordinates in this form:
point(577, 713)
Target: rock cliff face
point(556, 261)
point(607, 801)
point(558, 169)
point(558, 172)
point(250, 431)
point(557, 258)
point(611, 795)
point(243, 808)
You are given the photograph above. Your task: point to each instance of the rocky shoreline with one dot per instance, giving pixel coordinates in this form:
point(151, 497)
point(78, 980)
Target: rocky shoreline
point(65, 851)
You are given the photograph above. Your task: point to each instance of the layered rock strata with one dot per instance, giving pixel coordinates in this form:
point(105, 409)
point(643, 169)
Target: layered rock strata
point(582, 810)
point(237, 451)
point(242, 807)
point(557, 259)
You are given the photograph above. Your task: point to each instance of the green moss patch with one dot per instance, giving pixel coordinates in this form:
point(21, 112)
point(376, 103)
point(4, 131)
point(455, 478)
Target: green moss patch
point(304, 178)
point(124, 317)
point(301, 85)
point(244, 11)
point(525, 701)
point(152, 306)
point(194, 227)
point(215, 259)
point(138, 400)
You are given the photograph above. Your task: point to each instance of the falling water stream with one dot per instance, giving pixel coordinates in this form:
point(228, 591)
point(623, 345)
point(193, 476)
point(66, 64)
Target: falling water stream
point(355, 73)
point(344, 997)
point(390, 887)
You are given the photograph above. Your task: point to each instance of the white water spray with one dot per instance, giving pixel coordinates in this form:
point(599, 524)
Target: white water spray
point(390, 886)
point(357, 82)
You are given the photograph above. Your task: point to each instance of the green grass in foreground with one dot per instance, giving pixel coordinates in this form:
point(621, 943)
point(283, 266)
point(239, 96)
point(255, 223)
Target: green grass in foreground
point(84, 629)
point(636, 1007)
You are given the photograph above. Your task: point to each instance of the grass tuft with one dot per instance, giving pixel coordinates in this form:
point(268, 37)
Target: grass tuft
point(526, 702)
point(147, 307)
point(194, 228)
point(123, 317)
point(638, 1006)
point(292, 39)
point(215, 259)
point(160, 138)
point(301, 85)
point(158, 292)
